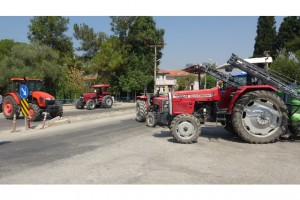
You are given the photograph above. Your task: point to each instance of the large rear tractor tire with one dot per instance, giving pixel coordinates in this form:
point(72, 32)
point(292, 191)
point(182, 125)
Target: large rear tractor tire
point(91, 104)
point(107, 101)
point(79, 104)
point(260, 117)
point(151, 120)
point(35, 112)
point(10, 107)
point(59, 113)
point(185, 128)
point(140, 111)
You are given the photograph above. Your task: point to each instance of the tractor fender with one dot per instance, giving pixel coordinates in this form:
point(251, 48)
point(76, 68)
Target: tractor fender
point(245, 89)
point(15, 96)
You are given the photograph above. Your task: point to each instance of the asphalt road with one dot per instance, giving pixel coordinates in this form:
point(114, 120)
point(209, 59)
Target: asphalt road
point(119, 150)
point(69, 111)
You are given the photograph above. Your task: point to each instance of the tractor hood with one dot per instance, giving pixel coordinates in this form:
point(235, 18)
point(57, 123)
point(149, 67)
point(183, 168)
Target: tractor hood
point(199, 95)
point(44, 95)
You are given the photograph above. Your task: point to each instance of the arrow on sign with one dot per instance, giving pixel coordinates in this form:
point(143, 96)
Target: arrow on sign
point(24, 92)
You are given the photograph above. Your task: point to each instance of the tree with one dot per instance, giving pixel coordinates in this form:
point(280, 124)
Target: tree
point(287, 65)
point(30, 60)
point(110, 62)
point(137, 34)
point(90, 41)
point(184, 82)
point(288, 31)
point(120, 26)
point(210, 82)
point(50, 30)
point(39, 61)
point(133, 81)
point(265, 39)
point(71, 83)
point(5, 48)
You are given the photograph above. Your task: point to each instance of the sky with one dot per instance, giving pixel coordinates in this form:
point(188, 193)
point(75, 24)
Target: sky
point(188, 39)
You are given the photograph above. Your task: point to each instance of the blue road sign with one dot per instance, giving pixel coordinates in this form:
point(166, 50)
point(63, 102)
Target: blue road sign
point(24, 91)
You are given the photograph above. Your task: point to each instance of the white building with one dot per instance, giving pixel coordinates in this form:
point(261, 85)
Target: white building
point(166, 80)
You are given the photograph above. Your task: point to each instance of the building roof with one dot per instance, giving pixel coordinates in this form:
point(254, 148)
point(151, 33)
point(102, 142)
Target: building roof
point(173, 72)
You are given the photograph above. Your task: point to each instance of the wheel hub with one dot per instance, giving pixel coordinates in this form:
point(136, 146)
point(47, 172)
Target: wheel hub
point(261, 118)
point(7, 108)
point(108, 102)
point(185, 129)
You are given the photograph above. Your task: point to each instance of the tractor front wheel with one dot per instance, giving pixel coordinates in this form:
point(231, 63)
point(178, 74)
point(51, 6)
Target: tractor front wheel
point(185, 128)
point(10, 107)
point(151, 120)
point(59, 112)
point(34, 112)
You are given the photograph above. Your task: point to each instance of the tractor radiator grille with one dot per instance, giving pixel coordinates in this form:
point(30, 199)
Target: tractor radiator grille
point(50, 102)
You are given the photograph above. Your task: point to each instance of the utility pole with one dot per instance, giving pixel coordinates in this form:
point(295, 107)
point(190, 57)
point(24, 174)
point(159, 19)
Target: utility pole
point(155, 63)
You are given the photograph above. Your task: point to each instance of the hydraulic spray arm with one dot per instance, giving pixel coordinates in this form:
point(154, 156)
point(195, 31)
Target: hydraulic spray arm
point(197, 69)
point(267, 77)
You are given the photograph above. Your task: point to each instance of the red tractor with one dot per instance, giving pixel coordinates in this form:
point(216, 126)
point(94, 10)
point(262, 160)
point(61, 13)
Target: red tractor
point(99, 98)
point(38, 100)
point(253, 111)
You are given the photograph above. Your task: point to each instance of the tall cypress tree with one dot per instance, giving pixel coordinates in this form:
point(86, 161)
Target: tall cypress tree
point(288, 31)
point(265, 39)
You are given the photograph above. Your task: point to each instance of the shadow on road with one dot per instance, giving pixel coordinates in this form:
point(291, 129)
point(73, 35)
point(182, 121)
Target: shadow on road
point(5, 142)
point(217, 133)
point(214, 134)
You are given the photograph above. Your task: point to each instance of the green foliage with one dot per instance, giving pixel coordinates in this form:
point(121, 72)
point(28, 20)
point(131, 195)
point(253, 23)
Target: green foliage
point(287, 65)
point(210, 82)
point(29, 60)
point(294, 45)
point(288, 31)
point(120, 26)
point(90, 41)
point(137, 36)
point(134, 81)
point(110, 58)
point(184, 82)
point(37, 61)
point(5, 47)
point(110, 62)
point(50, 30)
point(265, 39)
point(70, 84)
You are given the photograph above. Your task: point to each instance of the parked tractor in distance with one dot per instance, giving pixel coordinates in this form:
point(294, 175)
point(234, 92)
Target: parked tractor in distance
point(38, 100)
point(259, 110)
point(99, 98)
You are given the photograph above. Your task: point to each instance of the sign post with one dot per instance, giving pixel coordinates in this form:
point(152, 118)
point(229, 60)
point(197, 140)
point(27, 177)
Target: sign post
point(24, 104)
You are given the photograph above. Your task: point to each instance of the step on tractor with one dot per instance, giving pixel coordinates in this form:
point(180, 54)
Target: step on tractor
point(259, 109)
point(100, 97)
point(39, 101)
